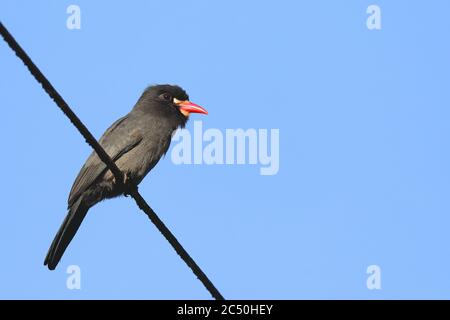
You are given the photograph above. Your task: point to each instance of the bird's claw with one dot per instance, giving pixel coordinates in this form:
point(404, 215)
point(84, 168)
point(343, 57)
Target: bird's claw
point(125, 181)
point(127, 184)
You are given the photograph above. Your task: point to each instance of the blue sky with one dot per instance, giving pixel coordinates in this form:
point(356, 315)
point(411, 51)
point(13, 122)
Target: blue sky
point(363, 120)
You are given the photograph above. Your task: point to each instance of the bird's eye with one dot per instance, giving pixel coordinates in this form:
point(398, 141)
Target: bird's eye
point(166, 96)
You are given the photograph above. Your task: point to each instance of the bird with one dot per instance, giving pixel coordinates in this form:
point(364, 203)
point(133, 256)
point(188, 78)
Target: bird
point(135, 142)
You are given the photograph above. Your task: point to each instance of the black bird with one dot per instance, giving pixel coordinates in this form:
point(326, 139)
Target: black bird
point(135, 143)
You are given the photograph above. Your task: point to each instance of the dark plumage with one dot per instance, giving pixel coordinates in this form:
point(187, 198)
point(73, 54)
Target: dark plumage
point(135, 142)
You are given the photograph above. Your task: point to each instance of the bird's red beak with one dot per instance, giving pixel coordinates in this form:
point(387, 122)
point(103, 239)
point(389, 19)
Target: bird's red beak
point(187, 107)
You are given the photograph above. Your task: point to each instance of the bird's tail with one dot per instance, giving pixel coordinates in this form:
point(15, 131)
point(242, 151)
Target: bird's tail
point(66, 232)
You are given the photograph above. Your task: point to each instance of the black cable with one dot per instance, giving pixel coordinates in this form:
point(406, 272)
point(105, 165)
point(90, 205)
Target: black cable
point(132, 188)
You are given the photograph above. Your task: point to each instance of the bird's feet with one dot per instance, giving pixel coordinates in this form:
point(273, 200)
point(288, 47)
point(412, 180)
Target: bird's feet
point(127, 184)
point(126, 179)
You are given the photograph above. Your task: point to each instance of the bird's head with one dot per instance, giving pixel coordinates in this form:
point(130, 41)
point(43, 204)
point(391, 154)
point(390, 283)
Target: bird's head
point(174, 97)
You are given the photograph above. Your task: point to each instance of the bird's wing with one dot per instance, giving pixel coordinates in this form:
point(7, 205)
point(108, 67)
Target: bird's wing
point(117, 140)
